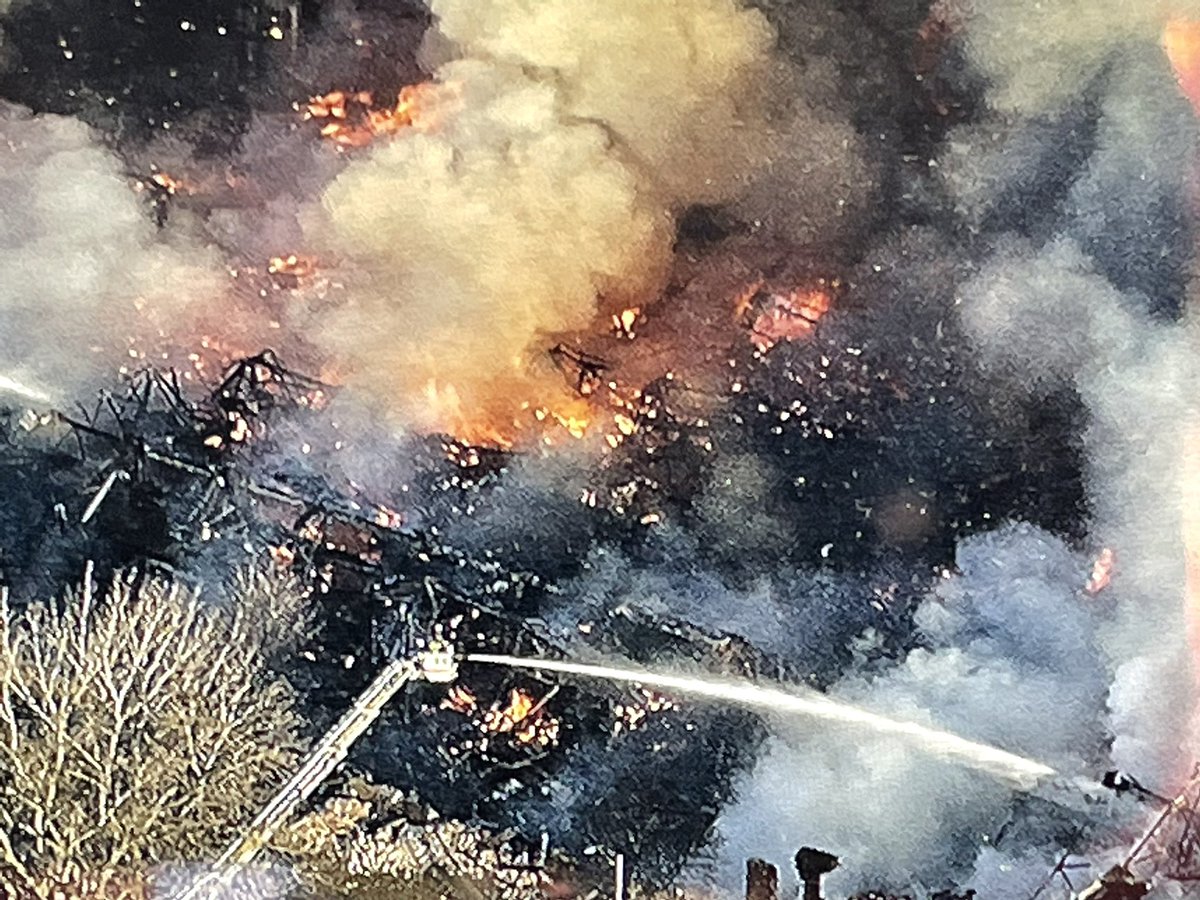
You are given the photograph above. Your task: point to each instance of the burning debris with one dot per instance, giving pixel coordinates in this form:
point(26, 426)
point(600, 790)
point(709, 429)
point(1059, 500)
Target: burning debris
point(353, 120)
point(522, 719)
point(632, 715)
point(774, 316)
point(813, 486)
point(374, 577)
point(289, 271)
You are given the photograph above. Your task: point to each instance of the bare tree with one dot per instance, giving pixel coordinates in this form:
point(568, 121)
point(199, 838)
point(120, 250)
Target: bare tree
point(142, 728)
point(373, 843)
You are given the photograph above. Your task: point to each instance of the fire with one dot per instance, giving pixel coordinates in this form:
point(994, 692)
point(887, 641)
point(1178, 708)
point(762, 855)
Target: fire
point(350, 119)
point(520, 705)
point(523, 719)
point(168, 183)
point(774, 316)
point(1102, 571)
point(574, 418)
point(632, 715)
point(386, 517)
point(1181, 41)
point(460, 699)
point(292, 266)
point(623, 323)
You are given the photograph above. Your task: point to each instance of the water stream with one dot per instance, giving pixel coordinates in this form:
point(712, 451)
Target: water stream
point(798, 701)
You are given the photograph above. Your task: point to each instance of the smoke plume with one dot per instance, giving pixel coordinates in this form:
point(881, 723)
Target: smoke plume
point(550, 159)
point(1009, 657)
point(561, 141)
point(1075, 203)
point(1039, 56)
point(85, 281)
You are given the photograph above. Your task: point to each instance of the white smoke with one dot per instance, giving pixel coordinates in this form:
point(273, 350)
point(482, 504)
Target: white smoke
point(84, 277)
point(1137, 382)
point(1010, 658)
point(1016, 654)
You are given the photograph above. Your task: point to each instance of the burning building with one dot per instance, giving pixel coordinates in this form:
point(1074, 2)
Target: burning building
point(841, 346)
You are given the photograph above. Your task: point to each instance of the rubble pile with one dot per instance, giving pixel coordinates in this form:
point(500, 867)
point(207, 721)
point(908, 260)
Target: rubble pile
point(193, 485)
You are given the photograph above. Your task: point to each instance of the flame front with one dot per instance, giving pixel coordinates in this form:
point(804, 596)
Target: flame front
point(522, 717)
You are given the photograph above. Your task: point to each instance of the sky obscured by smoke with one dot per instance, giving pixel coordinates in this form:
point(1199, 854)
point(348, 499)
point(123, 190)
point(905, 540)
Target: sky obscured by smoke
point(553, 153)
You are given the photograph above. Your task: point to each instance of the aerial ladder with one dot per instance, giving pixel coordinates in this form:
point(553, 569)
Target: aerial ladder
point(435, 664)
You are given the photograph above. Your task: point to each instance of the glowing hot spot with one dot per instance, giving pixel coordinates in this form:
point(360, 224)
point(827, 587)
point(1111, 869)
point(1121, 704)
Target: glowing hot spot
point(1181, 40)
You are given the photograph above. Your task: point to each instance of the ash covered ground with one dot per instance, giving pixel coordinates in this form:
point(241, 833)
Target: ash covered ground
point(843, 345)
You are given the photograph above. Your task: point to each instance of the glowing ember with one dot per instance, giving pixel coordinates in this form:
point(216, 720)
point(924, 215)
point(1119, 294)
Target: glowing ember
point(167, 183)
point(351, 119)
point(519, 706)
point(1181, 40)
point(236, 430)
point(524, 719)
point(1102, 571)
point(460, 700)
point(623, 323)
point(774, 316)
point(574, 425)
point(632, 716)
point(386, 517)
point(292, 265)
point(574, 421)
point(462, 455)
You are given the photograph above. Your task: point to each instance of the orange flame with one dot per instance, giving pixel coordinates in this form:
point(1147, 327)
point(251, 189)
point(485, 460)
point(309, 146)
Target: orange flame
point(460, 699)
point(1181, 41)
point(351, 120)
point(573, 417)
point(169, 183)
point(524, 719)
point(520, 705)
point(775, 316)
point(624, 322)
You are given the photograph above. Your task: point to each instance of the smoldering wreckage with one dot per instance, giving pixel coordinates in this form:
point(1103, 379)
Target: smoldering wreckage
point(898, 397)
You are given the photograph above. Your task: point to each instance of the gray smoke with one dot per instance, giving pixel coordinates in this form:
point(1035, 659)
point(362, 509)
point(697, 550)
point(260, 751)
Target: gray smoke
point(1077, 213)
point(1010, 657)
